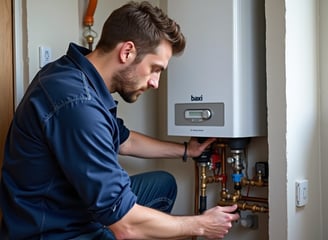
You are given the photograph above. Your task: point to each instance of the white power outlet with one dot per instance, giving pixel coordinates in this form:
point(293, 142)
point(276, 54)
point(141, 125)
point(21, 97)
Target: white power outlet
point(45, 56)
point(302, 192)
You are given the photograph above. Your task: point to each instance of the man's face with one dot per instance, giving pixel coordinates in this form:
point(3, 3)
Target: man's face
point(137, 78)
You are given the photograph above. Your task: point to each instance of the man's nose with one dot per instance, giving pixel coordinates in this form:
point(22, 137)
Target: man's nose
point(154, 82)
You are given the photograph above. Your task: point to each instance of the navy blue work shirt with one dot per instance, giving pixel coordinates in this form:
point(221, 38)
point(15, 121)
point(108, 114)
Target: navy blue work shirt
point(61, 175)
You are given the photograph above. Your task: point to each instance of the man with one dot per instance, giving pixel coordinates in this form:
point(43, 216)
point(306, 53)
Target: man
point(61, 178)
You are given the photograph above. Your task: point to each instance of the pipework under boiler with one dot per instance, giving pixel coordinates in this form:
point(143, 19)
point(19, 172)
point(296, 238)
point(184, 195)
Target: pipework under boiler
point(229, 155)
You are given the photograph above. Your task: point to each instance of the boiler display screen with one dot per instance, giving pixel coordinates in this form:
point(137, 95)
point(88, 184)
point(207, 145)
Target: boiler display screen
point(199, 114)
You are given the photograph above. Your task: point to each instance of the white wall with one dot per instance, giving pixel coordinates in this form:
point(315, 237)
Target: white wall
point(294, 130)
point(41, 23)
point(303, 125)
point(50, 23)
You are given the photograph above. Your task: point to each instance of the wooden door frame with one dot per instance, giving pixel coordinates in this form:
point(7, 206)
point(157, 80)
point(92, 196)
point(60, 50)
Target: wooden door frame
point(7, 72)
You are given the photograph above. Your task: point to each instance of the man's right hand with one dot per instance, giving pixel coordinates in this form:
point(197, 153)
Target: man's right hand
point(218, 220)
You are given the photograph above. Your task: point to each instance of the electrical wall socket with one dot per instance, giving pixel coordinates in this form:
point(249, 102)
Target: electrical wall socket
point(45, 56)
point(302, 192)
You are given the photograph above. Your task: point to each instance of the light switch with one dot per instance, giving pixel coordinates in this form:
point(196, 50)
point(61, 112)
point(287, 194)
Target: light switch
point(302, 192)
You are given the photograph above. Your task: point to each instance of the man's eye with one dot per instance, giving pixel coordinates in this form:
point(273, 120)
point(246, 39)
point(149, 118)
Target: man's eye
point(157, 69)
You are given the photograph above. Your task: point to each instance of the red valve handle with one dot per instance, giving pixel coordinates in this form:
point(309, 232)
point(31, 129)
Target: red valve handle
point(88, 19)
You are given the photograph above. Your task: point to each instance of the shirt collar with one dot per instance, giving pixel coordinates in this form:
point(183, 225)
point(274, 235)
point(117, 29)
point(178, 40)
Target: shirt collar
point(77, 55)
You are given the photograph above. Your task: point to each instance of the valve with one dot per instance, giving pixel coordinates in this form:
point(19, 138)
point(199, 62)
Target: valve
point(89, 34)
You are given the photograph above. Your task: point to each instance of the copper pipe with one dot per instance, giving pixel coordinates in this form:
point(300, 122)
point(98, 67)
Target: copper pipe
point(223, 146)
point(254, 199)
point(223, 164)
point(88, 18)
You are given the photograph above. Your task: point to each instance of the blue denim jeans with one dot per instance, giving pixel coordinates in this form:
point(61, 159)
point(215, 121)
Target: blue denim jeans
point(156, 190)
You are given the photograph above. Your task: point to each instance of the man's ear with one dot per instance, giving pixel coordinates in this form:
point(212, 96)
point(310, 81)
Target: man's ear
point(127, 52)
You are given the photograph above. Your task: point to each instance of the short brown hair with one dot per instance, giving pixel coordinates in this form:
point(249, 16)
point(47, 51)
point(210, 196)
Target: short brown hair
point(143, 24)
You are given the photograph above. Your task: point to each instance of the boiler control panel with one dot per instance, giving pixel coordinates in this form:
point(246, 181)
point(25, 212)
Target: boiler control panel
point(201, 114)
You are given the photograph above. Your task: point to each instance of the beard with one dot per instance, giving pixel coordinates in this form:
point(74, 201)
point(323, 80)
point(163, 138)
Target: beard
point(126, 83)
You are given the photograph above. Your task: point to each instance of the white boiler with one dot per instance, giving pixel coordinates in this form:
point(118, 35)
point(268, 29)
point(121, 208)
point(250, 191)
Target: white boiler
point(217, 88)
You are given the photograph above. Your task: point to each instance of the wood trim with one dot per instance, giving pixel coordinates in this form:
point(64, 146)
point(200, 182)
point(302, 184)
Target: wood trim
point(6, 71)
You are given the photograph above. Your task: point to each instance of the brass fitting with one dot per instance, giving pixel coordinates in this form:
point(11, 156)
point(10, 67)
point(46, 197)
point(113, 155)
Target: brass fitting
point(203, 180)
point(258, 182)
point(214, 179)
point(246, 206)
point(252, 207)
point(224, 194)
point(235, 197)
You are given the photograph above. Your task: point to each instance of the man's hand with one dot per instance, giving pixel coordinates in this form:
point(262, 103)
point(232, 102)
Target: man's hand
point(196, 148)
point(218, 220)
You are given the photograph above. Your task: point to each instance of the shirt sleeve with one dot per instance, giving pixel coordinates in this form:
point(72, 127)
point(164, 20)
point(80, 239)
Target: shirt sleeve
point(124, 131)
